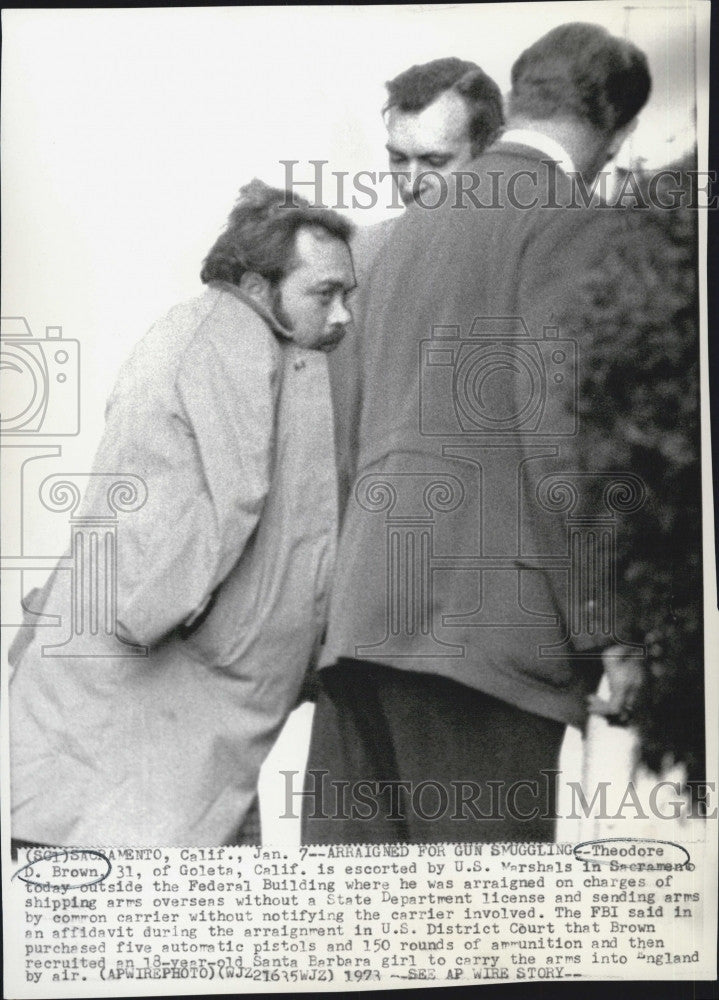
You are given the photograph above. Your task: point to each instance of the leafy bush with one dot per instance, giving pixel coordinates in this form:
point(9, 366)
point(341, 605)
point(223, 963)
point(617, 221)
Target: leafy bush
point(636, 314)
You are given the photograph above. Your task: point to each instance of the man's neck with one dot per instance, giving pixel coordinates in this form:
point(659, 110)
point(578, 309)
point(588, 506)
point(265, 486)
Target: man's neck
point(578, 142)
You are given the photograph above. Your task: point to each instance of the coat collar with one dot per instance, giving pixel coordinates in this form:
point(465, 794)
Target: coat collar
point(538, 143)
point(265, 314)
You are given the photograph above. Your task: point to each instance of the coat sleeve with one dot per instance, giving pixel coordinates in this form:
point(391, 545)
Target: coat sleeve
point(550, 279)
point(206, 466)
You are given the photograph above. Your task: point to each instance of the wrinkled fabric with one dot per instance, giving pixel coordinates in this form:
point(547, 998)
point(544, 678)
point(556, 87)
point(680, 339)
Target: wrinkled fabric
point(432, 491)
point(222, 575)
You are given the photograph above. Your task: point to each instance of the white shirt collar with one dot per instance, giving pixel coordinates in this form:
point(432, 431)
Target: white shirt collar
point(537, 140)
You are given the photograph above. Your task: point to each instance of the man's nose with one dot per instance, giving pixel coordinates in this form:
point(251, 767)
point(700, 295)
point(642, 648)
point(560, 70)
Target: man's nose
point(339, 314)
point(418, 178)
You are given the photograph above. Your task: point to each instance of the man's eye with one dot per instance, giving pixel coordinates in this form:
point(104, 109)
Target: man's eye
point(325, 297)
point(437, 162)
point(396, 159)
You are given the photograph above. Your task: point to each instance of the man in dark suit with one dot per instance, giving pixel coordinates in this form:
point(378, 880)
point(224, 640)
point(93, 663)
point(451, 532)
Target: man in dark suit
point(460, 643)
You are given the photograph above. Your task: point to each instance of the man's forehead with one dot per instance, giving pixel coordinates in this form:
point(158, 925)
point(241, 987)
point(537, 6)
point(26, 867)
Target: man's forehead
point(444, 122)
point(322, 254)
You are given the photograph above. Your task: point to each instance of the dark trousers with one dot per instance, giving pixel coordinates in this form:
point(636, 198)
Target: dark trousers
point(398, 756)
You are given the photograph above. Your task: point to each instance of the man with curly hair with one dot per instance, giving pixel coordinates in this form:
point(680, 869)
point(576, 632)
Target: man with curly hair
point(223, 412)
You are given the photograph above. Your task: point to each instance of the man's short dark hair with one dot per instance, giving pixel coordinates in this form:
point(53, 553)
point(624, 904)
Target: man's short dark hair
point(419, 86)
point(261, 231)
point(581, 71)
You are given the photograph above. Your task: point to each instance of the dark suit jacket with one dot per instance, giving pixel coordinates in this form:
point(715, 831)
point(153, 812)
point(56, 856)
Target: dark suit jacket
point(453, 558)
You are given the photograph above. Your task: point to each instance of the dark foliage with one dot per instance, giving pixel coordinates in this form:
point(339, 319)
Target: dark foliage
point(637, 310)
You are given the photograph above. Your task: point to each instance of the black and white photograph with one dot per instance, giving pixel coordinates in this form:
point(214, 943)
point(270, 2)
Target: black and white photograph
point(359, 603)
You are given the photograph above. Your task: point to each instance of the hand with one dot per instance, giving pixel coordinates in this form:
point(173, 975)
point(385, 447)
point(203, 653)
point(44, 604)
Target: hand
point(625, 672)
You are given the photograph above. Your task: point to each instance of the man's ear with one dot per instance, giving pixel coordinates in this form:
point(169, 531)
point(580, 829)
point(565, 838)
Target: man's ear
point(257, 288)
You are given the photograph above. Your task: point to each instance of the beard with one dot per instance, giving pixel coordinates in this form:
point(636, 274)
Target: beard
point(278, 310)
